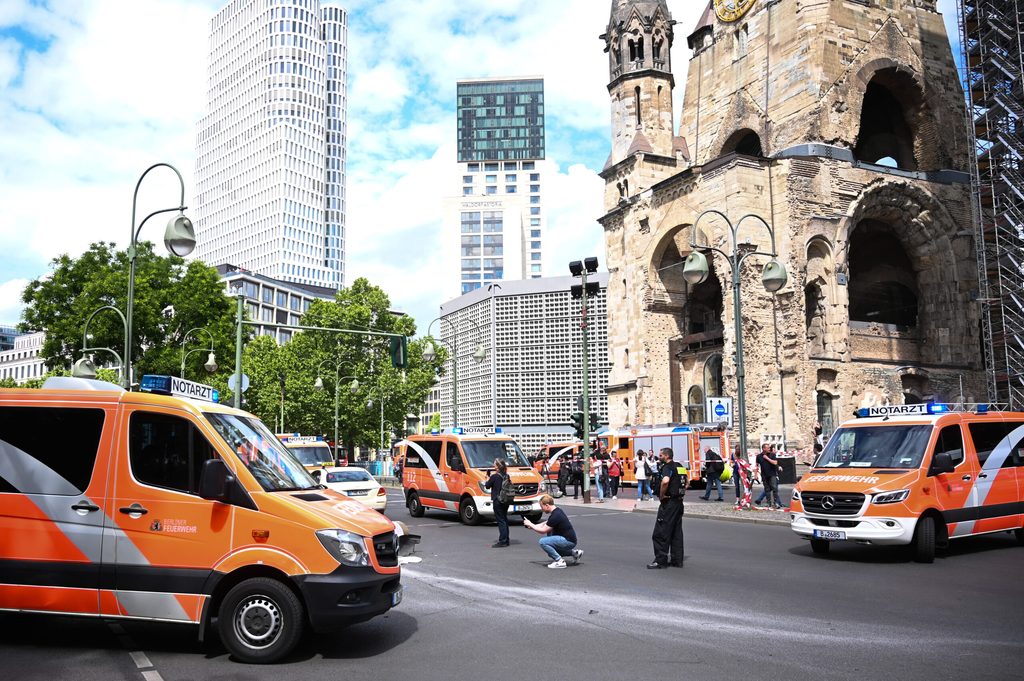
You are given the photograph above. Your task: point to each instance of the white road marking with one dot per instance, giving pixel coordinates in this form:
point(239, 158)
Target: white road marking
point(152, 675)
point(140, 659)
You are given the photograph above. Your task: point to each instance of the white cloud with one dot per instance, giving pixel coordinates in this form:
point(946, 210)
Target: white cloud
point(381, 89)
point(10, 300)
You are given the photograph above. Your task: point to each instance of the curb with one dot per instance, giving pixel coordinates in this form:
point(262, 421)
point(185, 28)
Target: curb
point(727, 518)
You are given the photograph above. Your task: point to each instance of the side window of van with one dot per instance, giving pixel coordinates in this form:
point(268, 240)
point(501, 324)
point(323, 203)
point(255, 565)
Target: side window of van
point(951, 441)
point(414, 458)
point(453, 458)
point(167, 451)
point(987, 436)
point(48, 450)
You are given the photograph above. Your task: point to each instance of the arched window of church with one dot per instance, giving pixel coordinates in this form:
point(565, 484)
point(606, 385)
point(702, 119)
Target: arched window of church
point(713, 382)
point(883, 284)
point(745, 142)
point(695, 405)
point(636, 93)
point(888, 113)
point(742, 35)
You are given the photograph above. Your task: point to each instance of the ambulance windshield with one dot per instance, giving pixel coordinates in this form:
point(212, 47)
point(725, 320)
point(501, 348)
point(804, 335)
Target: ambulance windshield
point(482, 453)
point(876, 447)
point(269, 461)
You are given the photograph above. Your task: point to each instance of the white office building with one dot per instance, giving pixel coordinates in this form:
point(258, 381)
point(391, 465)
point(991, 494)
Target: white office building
point(533, 371)
point(22, 362)
point(497, 214)
point(270, 160)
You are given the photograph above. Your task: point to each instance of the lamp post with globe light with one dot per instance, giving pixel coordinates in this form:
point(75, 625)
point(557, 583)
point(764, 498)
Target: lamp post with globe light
point(430, 352)
point(84, 367)
point(773, 278)
point(211, 360)
point(338, 378)
point(179, 239)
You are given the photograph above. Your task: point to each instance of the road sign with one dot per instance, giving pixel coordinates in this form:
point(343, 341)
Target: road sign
point(718, 409)
point(245, 382)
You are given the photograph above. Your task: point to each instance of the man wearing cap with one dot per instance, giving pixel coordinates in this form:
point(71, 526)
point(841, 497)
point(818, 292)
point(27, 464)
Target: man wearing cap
point(668, 529)
point(713, 469)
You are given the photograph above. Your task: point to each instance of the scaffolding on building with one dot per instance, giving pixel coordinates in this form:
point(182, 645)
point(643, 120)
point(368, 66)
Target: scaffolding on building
point(993, 74)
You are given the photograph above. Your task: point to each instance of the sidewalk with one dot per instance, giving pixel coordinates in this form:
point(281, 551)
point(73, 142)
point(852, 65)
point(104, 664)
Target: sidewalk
point(695, 507)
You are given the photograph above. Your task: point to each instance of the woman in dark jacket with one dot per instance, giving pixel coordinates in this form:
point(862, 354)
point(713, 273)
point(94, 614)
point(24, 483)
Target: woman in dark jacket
point(500, 510)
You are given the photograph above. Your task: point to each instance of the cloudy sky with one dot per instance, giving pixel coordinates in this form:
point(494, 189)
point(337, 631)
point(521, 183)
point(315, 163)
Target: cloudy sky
point(92, 92)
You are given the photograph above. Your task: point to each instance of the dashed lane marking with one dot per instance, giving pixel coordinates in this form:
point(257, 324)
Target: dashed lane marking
point(141, 660)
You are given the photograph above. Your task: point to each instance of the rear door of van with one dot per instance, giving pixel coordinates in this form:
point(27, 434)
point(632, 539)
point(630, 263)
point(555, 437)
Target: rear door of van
point(167, 537)
point(54, 458)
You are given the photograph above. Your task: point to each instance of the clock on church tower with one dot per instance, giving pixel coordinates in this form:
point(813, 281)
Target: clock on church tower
point(731, 10)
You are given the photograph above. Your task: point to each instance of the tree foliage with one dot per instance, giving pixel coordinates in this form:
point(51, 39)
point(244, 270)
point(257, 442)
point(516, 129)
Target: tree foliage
point(171, 298)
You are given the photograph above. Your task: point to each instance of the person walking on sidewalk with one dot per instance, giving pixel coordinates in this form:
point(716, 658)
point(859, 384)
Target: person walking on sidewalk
point(713, 469)
point(668, 528)
point(577, 476)
point(564, 474)
point(494, 485)
point(559, 540)
point(737, 472)
point(597, 469)
point(769, 477)
point(643, 472)
point(615, 475)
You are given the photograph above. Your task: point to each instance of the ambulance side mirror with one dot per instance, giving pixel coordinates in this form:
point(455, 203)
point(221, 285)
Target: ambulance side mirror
point(942, 463)
point(215, 481)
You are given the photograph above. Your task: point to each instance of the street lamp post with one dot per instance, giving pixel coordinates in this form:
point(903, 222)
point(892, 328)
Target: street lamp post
point(429, 353)
point(179, 239)
point(773, 278)
point(211, 360)
point(84, 368)
point(319, 385)
point(582, 291)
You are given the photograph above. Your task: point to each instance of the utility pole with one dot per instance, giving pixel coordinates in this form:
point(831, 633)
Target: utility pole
point(581, 290)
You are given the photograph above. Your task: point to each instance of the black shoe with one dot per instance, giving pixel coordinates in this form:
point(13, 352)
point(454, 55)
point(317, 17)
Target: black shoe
point(675, 565)
point(499, 544)
point(656, 566)
point(719, 499)
point(704, 498)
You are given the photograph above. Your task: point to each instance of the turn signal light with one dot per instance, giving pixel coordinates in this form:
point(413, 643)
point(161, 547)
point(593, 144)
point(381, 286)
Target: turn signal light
point(261, 535)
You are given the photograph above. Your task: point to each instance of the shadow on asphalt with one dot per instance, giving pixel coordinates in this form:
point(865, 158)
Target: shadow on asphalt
point(886, 555)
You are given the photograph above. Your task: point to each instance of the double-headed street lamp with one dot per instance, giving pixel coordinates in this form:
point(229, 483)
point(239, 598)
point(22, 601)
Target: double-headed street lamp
point(211, 360)
point(430, 351)
point(338, 378)
point(179, 239)
point(773, 278)
point(85, 368)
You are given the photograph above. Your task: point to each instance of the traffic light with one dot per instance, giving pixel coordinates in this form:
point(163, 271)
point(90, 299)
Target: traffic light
point(399, 351)
point(577, 424)
point(595, 421)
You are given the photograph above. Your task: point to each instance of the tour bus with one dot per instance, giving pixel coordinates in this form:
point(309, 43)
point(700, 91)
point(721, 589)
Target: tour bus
point(311, 450)
point(447, 471)
point(918, 475)
point(688, 443)
point(158, 507)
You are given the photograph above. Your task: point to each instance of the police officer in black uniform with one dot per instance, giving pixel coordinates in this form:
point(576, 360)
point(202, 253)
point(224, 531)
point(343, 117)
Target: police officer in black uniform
point(668, 530)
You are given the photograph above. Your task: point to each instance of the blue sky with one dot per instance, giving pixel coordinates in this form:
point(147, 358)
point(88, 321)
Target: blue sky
point(92, 92)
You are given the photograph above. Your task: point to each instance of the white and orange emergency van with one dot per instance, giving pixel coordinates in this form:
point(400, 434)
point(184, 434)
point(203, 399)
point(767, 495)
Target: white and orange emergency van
point(550, 457)
point(152, 506)
point(919, 475)
point(687, 441)
point(312, 451)
point(447, 471)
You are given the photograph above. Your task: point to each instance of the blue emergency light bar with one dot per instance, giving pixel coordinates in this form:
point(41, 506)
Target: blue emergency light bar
point(177, 387)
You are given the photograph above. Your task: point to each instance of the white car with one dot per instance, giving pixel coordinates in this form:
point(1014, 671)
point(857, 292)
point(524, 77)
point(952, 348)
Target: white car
point(355, 482)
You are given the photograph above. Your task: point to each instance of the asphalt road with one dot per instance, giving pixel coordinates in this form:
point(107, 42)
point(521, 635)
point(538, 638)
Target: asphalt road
point(751, 602)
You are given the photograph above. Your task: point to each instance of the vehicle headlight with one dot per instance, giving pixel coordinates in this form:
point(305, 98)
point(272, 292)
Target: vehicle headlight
point(891, 497)
point(347, 548)
point(483, 486)
point(796, 495)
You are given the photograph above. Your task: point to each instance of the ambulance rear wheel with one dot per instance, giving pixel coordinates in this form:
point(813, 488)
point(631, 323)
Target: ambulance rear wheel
point(924, 540)
point(415, 506)
point(260, 620)
point(820, 547)
point(468, 512)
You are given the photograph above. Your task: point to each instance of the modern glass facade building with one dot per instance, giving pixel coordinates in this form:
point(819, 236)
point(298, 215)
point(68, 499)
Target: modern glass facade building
point(270, 166)
point(499, 213)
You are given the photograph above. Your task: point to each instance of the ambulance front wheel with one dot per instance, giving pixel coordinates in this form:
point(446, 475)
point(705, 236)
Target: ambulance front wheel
point(820, 547)
point(415, 506)
point(260, 620)
point(924, 540)
point(468, 512)
point(534, 517)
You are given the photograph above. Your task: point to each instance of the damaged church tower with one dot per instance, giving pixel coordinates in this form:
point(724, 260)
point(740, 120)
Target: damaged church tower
point(842, 124)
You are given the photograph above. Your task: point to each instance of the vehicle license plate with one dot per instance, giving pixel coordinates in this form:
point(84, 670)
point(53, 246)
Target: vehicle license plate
point(356, 492)
point(521, 508)
point(396, 598)
point(831, 535)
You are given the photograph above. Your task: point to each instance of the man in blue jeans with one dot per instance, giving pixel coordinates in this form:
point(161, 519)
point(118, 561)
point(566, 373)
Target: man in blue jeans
point(559, 540)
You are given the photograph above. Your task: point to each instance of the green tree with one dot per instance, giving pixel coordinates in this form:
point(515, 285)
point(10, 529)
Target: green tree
point(171, 298)
point(435, 422)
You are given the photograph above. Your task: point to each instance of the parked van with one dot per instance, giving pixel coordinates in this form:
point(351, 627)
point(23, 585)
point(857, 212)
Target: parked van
point(550, 457)
point(311, 450)
point(918, 474)
point(447, 471)
point(152, 506)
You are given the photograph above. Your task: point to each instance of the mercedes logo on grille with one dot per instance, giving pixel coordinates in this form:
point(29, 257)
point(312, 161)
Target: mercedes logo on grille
point(521, 489)
point(828, 502)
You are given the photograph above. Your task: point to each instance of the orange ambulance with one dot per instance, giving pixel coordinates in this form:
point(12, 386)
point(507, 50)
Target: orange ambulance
point(447, 472)
point(163, 505)
point(918, 475)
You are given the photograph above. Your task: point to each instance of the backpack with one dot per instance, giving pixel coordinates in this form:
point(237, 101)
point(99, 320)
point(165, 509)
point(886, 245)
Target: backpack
point(507, 493)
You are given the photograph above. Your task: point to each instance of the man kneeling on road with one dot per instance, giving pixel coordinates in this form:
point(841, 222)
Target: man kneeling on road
point(559, 541)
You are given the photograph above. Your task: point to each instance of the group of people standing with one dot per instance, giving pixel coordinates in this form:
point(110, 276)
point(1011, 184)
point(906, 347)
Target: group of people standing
point(604, 471)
